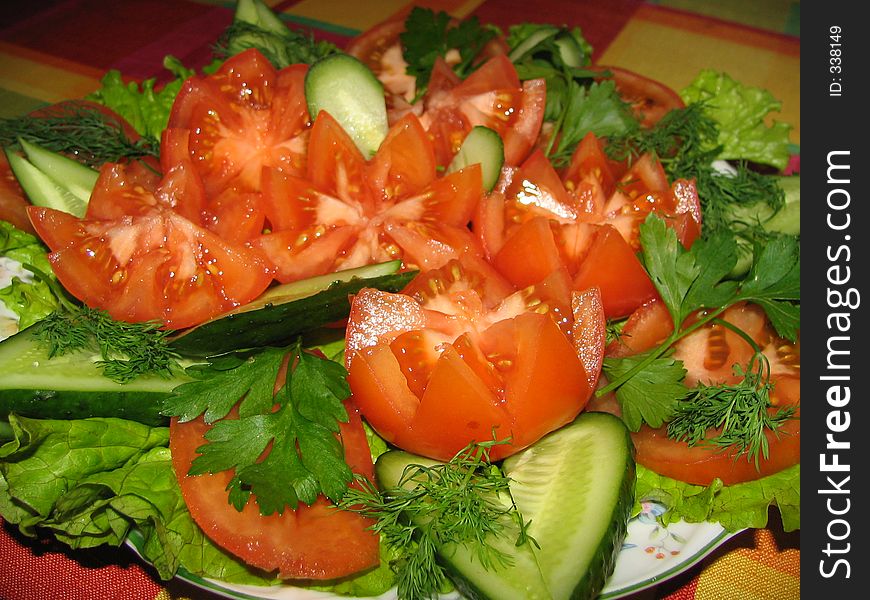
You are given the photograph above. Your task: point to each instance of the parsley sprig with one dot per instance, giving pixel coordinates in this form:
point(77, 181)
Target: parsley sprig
point(429, 35)
point(693, 280)
point(464, 501)
point(297, 424)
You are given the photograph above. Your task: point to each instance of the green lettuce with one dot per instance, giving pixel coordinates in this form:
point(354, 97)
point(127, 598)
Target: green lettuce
point(741, 111)
point(30, 298)
point(735, 507)
point(144, 105)
point(95, 481)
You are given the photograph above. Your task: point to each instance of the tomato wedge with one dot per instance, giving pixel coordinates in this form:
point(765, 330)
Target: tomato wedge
point(348, 211)
point(316, 542)
point(439, 366)
point(152, 266)
point(492, 96)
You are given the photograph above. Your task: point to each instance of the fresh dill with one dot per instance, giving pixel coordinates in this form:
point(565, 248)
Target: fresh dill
point(464, 501)
point(685, 141)
point(739, 411)
point(127, 350)
point(79, 130)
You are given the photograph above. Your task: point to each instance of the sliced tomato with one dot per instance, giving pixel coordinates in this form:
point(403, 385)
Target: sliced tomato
point(316, 542)
point(709, 356)
point(123, 189)
point(152, 266)
point(13, 202)
point(436, 367)
point(348, 212)
point(243, 117)
point(650, 99)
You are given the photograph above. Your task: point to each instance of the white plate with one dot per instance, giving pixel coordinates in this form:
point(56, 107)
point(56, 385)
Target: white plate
point(650, 554)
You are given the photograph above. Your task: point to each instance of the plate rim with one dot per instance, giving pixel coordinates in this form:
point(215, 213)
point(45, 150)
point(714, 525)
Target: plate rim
point(218, 587)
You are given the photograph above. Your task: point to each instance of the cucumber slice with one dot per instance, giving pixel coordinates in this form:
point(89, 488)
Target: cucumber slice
point(530, 43)
point(288, 310)
point(482, 145)
point(73, 387)
point(521, 579)
point(77, 178)
point(344, 87)
point(255, 12)
point(575, 487)
point(41, 189)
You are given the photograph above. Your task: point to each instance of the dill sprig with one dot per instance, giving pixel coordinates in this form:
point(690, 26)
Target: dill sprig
point(91, 136)
point(739, 411)
point(685, 141)
point(127, 350)
point(464, 501)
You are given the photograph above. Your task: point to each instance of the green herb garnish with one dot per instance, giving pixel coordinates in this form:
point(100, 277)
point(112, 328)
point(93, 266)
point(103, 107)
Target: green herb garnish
point(692, 280)
point(429, 35)
point(463, 501)
point(75, 129)
point(298, 424)
point(128, 350)
point(740, 410)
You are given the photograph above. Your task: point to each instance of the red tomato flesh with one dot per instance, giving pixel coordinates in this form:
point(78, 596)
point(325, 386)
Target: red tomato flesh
point(440, 365)
point(315, 542)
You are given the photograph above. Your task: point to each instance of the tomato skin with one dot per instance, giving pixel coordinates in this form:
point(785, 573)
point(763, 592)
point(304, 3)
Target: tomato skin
point(152, 266)
point(611, 265)
point(700, 465)
point(313, 542)
point(439, 366)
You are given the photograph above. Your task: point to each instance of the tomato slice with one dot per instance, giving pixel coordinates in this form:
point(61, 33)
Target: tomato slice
point(439, 366)
point(650, 99)
point(152, 266)
point(314, 542)
point(349, 212)
point(709, 355)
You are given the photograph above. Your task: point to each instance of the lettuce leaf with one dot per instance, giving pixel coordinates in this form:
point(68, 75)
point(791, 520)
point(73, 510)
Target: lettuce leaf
point(96, 481)
point(735, 506)
point(28, 297)
point(741, 112)
point(144, 105)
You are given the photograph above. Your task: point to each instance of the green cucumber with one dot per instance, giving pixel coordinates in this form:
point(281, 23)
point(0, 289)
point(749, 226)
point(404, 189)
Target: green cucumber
point(575, 488)
point(346, 88)
point(255, 12)
point(79, 179)
point(73, 387)
point(542, 34)
point(288, 310)
point(482, 145)
point(41, 189)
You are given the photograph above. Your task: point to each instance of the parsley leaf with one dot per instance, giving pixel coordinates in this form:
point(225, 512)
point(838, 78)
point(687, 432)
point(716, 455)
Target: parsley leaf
point(652, 394)
point(297, 425)
point(691, 280)
point(429, 35)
